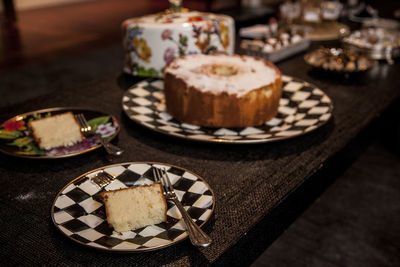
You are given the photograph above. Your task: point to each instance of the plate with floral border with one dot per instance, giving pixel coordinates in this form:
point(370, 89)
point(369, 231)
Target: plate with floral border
point(79, 214)
point(303, 108)
point(17, 140)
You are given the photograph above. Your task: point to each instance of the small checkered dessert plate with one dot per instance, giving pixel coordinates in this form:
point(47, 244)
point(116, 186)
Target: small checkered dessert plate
point(302, 109)
point(79, 213)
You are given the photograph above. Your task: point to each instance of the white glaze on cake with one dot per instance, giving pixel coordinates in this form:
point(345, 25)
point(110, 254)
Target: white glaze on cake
point(250, 73)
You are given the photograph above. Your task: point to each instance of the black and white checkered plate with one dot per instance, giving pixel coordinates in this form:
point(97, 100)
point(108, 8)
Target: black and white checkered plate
point(302, 109)
point(79, 213)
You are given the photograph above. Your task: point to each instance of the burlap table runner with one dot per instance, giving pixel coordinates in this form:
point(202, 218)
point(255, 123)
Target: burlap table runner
point(248, 180)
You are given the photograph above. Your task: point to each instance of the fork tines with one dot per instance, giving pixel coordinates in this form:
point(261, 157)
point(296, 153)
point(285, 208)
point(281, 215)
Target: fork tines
point(162, 177)
point(85, 127)
point(102, 179)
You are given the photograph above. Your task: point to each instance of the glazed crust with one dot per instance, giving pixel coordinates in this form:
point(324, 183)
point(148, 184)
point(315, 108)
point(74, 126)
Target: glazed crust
point(189, 104)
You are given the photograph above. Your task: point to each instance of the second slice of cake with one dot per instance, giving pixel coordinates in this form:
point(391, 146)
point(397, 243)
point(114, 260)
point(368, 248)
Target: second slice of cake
point(55, 131)
point(135, 207)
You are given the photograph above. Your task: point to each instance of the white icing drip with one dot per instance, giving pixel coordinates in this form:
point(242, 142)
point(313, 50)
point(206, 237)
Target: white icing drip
point(251, 74)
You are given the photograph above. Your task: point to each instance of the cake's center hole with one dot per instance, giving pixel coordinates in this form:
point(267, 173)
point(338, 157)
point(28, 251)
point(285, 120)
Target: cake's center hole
point(219, 69)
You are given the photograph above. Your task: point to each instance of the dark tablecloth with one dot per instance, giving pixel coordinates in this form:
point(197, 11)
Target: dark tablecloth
point(248, 180)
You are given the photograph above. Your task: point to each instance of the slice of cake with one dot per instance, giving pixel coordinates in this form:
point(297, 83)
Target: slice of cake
point(55, 131)
point(221, 90)
point(135, 207)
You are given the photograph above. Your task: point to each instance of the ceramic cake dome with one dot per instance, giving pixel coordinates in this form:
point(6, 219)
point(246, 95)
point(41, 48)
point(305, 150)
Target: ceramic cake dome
point(152, 41)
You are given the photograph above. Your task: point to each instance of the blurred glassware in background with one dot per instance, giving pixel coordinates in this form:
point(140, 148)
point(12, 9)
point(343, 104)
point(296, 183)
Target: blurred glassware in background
point(311, 11)
point(290, 11)
point(331, 10)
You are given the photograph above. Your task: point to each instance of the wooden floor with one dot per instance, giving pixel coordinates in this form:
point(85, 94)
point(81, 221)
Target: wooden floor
point(53, 32)
point(48, 33)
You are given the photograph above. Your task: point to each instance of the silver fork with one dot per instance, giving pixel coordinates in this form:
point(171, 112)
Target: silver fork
point(86, 129)
point(196, 235)
point(102, 179)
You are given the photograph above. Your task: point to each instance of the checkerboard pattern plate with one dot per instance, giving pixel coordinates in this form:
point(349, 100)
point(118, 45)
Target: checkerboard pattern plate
point(79, 213)
point(303, 108)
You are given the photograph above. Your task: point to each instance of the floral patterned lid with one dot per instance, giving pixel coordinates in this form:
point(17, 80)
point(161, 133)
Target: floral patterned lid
point(152, 41)
point(183, 18)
